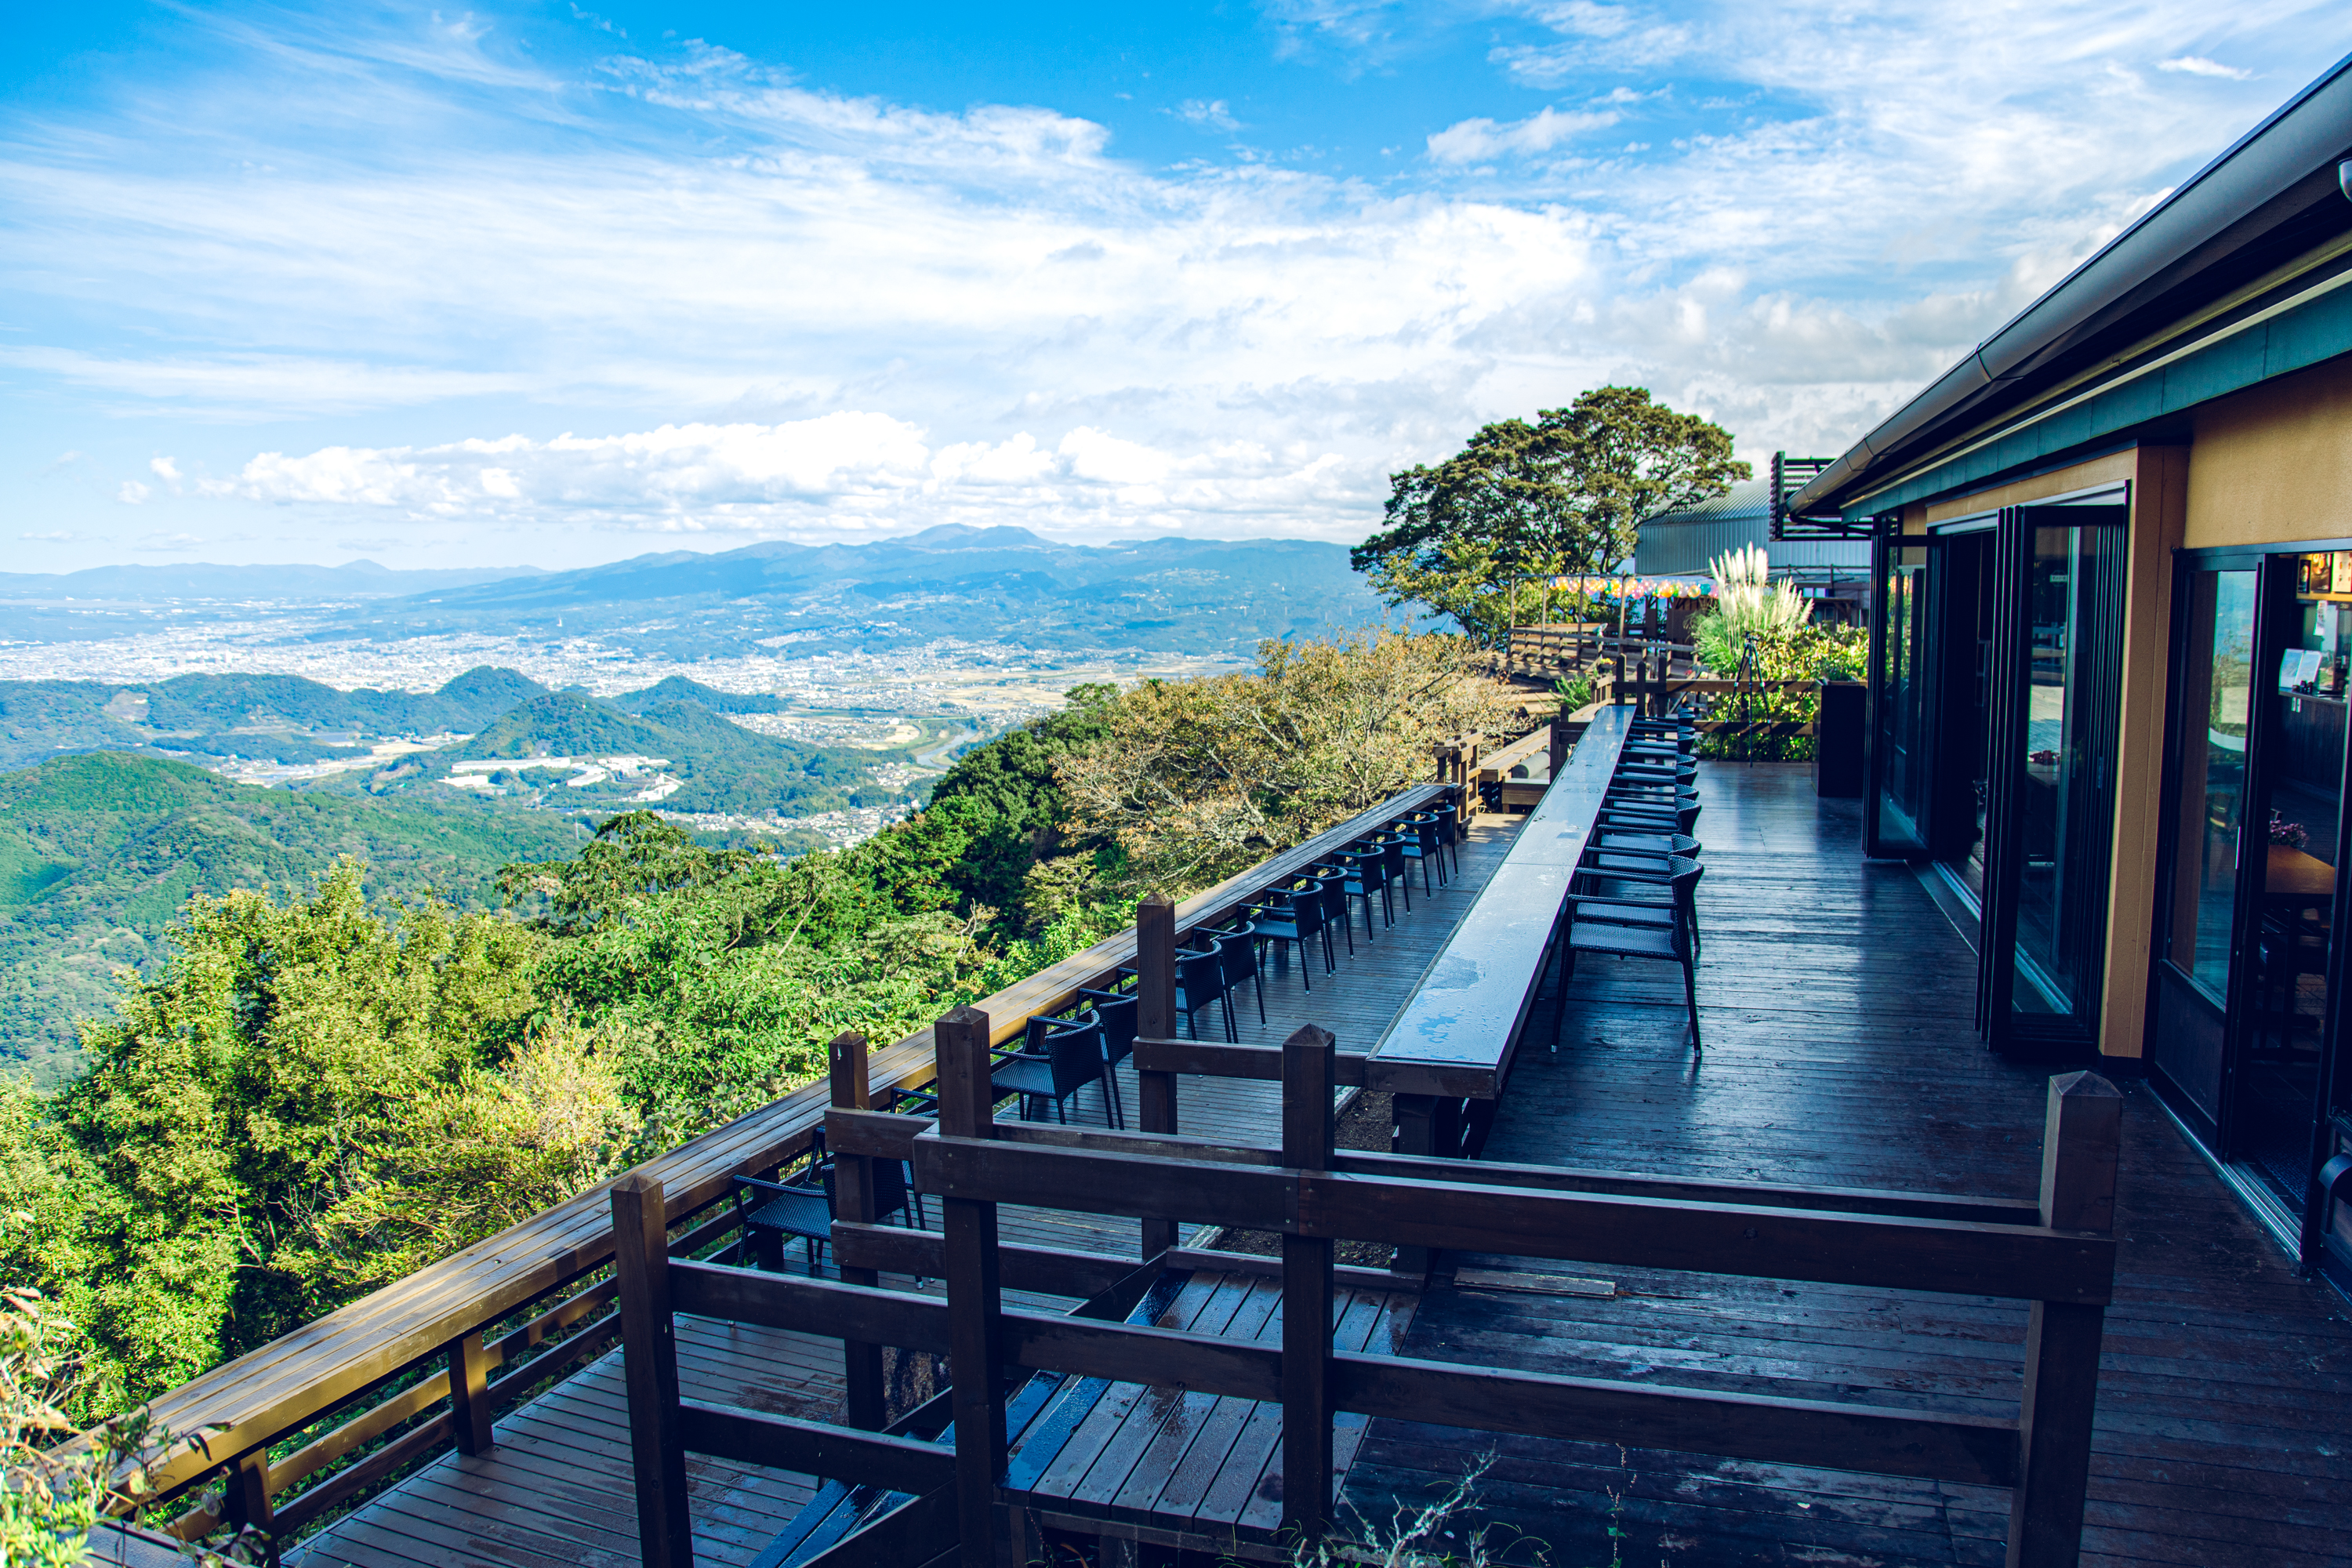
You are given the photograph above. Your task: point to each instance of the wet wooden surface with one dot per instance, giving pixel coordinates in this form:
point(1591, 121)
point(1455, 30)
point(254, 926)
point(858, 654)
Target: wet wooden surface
point(1839, 1050)
point(555, 1491)
point(1209, 1467)
point(1838, 1013)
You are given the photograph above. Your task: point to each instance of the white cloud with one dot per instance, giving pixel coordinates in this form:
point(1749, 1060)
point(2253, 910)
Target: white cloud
point(2197, 64)
point(52, 537)
point(1212, 115)
point(165, 469)
point(852, 472)
point(816, 312)
point(133, 492)
point(1477, 141)
point(167, 544)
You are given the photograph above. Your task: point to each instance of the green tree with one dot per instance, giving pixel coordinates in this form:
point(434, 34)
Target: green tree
point(1197, 779)
point(1027, 823)
point(1523, 503)
point(235, 1100)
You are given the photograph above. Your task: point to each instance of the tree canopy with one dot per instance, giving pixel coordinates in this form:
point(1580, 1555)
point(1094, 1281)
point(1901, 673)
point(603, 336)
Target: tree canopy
point(1525, 503)
point(321, 1091)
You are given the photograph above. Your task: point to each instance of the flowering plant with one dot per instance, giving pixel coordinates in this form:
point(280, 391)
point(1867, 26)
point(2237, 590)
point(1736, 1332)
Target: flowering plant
point(2292, 833)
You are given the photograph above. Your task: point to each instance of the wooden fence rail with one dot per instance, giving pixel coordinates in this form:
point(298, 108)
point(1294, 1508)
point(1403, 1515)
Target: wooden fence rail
point(314, 1421)
point(2055, 1252)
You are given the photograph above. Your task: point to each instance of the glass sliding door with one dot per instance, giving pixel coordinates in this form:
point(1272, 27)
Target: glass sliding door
point(2250, 950)
point(2052, 739)
point(1901, 762)
point(2212, 708)
point(2298, 814)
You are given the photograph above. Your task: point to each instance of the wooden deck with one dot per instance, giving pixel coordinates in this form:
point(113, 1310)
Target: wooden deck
point(556, 1491)
point(1837, 1003)
point(1840, 1049)
point(1133, 1461)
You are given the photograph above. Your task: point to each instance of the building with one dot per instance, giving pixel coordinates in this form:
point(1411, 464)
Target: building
point(1685, 543)
point(2114, 549)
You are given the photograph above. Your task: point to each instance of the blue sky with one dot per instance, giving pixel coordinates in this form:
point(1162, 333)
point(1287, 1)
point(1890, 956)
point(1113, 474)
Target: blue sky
point(538, 283)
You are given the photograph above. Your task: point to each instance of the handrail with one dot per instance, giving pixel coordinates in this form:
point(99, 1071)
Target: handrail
point(2058, 1253)
point(337, 1362)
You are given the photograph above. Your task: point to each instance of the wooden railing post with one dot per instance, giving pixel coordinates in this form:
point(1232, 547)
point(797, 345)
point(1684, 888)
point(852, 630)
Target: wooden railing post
point(470, 1394)
point(2080, 1140)
point(852, 1199)
point(1307, 1071)
point(649, 1367)
point(1155, 1019)
point(976, 1297)
point(245, 1502)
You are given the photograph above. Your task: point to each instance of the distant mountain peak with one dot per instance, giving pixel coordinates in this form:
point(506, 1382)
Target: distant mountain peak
point(963, 536)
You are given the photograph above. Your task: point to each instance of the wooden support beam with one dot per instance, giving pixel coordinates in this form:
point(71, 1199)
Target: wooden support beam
point(1758, 1242)
point(1127, 1352)
point(1307, 1295)
point(1976, 1450)
point(649, 1365)
point(893, 1137)
point(814, 1449)
point(852, 1199)
point(1215, 1058)
point(800, 1305)
point(1413, 1123)
point(1155, 1018)
point(2082, 1136)
point(247, 1503)
point(470, 1408)
point(975, 1298)
point(900, 1250)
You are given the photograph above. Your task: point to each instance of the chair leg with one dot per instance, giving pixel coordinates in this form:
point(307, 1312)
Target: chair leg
point(1257, 978)
point(1350, 930)
point(1690, 992)
point(1304, 978)
point(1232, 1032)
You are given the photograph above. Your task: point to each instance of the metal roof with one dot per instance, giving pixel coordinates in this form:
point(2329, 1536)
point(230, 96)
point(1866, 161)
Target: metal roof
point(1681, 543)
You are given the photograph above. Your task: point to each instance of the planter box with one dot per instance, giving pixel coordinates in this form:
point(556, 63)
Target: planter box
point(1838, 731)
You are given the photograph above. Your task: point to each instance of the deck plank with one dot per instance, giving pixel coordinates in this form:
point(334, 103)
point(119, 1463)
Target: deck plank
point(1838, 1005)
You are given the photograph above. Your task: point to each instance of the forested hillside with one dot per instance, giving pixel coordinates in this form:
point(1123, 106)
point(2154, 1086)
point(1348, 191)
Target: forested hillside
point(99, 853)
point(278, 718)
point(726, 768)
point(320, 1092)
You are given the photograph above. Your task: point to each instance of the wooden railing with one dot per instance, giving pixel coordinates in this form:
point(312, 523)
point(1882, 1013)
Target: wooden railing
point(2057, 1253)
point(313, 1422)
point(1711, 702)
point(1548, 653)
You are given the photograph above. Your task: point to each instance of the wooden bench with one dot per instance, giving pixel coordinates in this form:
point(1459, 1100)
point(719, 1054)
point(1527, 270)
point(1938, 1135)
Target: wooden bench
point(1498, 789)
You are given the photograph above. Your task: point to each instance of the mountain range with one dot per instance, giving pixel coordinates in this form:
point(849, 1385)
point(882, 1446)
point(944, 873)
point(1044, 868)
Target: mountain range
point(148, 585)
point(950, 583)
